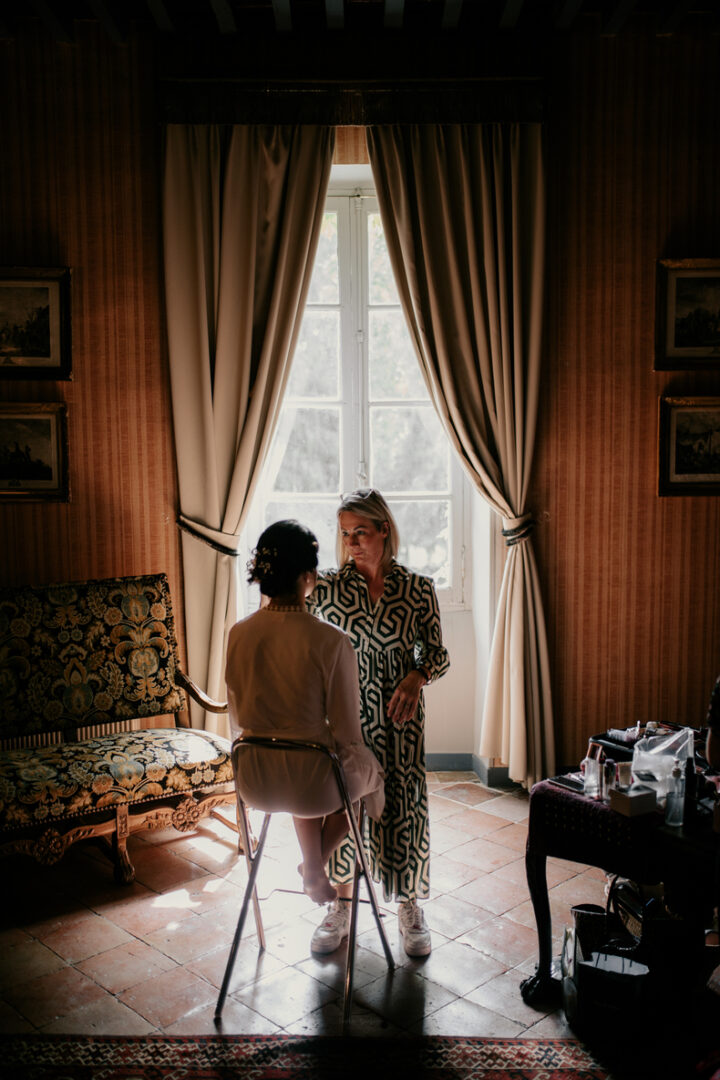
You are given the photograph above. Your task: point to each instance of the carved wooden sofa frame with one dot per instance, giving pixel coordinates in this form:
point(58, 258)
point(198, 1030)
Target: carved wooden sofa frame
point(85, 667)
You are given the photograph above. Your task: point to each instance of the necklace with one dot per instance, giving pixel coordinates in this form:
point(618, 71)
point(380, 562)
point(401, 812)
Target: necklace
point(272, 606)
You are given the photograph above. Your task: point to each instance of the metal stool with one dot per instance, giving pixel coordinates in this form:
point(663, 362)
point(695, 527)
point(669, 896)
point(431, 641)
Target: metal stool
point(253, 863)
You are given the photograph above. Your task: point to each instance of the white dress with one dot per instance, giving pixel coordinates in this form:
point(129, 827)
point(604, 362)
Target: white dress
point(291, 675)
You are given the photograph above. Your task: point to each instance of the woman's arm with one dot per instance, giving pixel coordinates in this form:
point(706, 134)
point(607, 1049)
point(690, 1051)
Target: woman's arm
point(431, 659)
point(431, 656)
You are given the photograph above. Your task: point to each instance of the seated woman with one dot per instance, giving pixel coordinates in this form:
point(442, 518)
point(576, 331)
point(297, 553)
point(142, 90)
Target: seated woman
point(290, 675)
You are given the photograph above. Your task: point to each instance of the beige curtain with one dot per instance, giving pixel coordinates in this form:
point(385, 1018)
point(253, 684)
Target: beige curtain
point(463, 208)
point(242, 209)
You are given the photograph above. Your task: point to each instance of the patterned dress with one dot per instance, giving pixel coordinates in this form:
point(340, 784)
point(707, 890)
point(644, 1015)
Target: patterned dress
point(400, 632)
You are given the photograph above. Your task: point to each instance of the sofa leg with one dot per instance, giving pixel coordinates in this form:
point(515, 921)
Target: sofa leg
point(124, 869)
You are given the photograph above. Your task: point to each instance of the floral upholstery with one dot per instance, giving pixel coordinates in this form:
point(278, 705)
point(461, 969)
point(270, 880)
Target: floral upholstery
point(86, 653)
point(53, 783)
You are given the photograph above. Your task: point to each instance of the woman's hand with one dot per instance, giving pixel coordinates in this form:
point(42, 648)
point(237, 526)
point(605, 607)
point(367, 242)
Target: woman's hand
point(404, 702)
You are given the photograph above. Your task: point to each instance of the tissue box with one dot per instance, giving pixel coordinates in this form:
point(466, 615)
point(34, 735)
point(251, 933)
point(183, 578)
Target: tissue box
point(636, 800)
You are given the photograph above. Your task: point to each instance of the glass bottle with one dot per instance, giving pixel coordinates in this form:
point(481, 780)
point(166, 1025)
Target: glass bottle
point(675, 804)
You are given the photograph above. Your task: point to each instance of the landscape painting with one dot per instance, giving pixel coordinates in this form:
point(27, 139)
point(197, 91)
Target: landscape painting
point(34, 323)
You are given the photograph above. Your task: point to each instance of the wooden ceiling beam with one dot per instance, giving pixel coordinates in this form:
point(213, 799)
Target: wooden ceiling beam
point(510, 14)
point(108, 21)
point(283, 16)
point(451, 14)
point(224, 16)
point(672, 19)
point(53, 23)
point(335, 14)
point(566, 13)
point(160, 16)
point(618, 17)
point(394, 11)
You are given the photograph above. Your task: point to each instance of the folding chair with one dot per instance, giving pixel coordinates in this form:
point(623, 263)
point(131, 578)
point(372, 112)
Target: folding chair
point(253, 862)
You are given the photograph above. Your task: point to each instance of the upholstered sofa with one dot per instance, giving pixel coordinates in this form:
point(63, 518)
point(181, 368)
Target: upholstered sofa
point(87, 671)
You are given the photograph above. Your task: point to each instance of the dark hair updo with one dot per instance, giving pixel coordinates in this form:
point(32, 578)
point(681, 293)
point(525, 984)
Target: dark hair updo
point(284, 551)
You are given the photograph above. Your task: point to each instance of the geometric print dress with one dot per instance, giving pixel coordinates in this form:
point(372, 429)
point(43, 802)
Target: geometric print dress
point(400, 632)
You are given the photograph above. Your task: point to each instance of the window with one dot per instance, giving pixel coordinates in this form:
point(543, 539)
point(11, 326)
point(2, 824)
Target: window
point(357, 413)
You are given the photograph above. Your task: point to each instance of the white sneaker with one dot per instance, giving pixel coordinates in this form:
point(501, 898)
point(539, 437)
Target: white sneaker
point(413, 929)
point(333, 929)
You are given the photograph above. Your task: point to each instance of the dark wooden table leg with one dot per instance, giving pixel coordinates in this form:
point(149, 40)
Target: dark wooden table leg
point(542, 987)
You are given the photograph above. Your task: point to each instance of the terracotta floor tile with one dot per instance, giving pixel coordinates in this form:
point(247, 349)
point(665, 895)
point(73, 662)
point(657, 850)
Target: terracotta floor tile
point(285, 997)
point(45, 999)
point(166, 873)
point(166, 998)
point(484, 854)
point(506, 941)
point(12, 1023)
point(463, 1017)
point(475, 821)
point(459, 967)
point(404, 997)
point(512, 836)
point(148, 911)
point(443, 838)
point(125, 966)
point(106, 1016)
point(250, 964)
point(493, 894)
point(190, 939)
point(26, 960)
point(453, 916)
point(85, 938)
point(509, 807)
point(447, 874)
point(235, 1019)
point(469, 793)
point(502, 995)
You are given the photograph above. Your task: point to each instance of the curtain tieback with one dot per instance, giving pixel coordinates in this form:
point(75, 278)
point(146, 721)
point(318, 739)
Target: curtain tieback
point(225, 543)
point(518, 529)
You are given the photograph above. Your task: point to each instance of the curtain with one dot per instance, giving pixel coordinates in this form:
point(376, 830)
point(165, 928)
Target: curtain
point(242, 209)
point(463, 208)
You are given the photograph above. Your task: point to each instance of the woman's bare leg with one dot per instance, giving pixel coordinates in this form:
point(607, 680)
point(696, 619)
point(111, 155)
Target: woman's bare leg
point(312, 869)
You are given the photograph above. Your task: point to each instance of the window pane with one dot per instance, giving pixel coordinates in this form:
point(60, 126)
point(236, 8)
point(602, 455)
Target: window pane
point(315, 365)
point(324, 284)
point(425, 544)
point(408, 450)
point(318, 516)
point(393, 366)
point(381, 285)
point(305, 455)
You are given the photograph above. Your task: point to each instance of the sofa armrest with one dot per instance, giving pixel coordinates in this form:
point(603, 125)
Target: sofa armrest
point(199, 695)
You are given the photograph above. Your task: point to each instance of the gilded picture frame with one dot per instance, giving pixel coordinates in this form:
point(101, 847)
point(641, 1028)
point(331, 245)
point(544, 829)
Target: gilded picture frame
point(35, 330)
point(33, 452)
point(689, 446)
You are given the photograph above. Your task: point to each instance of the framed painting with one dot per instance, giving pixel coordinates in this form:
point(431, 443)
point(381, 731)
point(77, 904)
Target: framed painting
point(689, 446)
point(33, 452)
point(35, 323)
point(687, 333)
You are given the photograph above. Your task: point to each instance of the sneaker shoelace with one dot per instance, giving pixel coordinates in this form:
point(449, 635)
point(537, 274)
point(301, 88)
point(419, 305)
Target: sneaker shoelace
point(413, 918)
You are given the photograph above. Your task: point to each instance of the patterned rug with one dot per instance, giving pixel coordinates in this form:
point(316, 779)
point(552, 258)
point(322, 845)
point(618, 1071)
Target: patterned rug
point(288, 1057)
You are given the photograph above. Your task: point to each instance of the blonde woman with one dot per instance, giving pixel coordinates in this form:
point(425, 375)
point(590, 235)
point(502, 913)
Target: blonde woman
point(391, 615)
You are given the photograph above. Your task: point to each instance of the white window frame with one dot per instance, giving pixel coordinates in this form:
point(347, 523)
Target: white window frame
point(353, 202)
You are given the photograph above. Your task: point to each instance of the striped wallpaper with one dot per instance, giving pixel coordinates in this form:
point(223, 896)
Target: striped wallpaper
point(631, 580)
point(633, 124)
point(79, 187)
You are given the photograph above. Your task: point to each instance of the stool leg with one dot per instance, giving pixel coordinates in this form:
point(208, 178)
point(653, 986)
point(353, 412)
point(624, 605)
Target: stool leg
point(361, 859)
point(352, 934)
point(247, 844)
point(249, 891)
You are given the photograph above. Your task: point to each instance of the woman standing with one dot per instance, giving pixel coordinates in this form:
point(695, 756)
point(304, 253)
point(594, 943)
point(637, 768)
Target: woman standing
point(393, 621)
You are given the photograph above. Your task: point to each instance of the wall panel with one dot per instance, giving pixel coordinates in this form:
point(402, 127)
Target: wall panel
point(79, 186)
point(632, 580)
